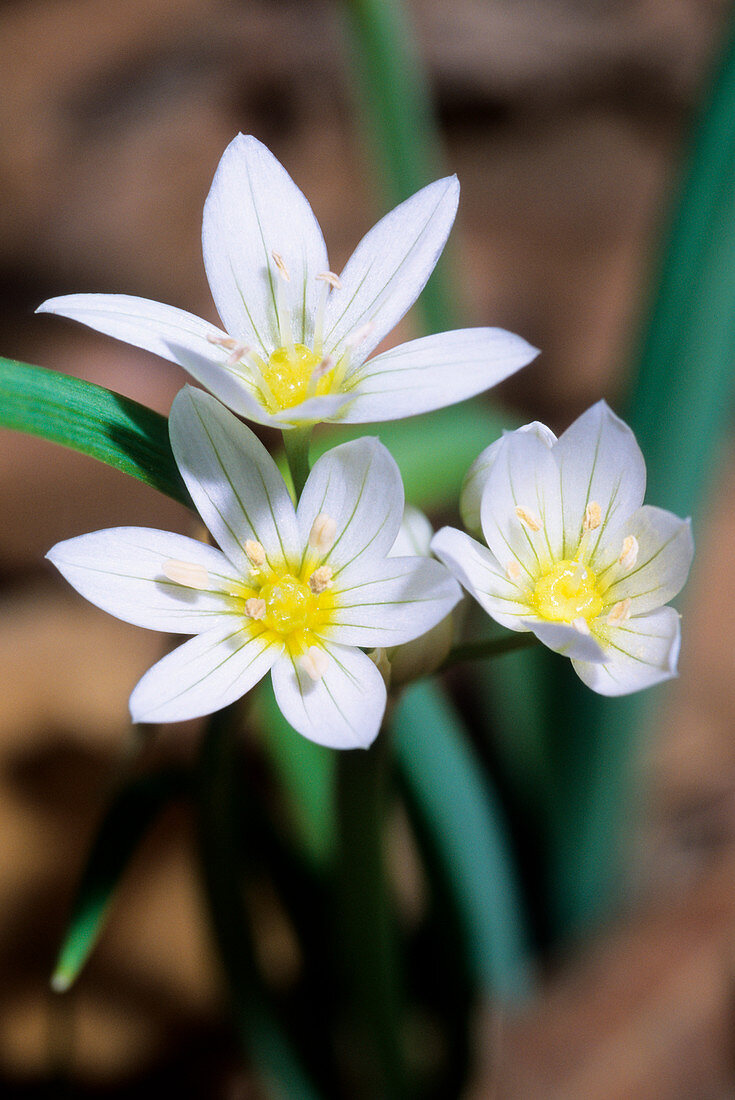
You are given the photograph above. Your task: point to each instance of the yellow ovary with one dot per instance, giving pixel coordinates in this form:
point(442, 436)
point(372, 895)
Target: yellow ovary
point(288, 375)
point(567, 591)
point(288, 605)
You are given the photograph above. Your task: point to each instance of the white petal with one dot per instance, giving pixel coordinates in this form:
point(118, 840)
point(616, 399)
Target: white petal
point(359, 486)
point(414, 537)
point(311, 411)
point(641, 652)
point(476, 477)
point(344, 709)
point(599, 460)
point(567, 640)
point(203, 675)
point(523, 475)
point(665, 552)
point(434, 371)
point(476, 568)
point(254, 209)
point(390, 601)
point(233, 481)
point(171, 333)
point(389, 268)
point(120, 570)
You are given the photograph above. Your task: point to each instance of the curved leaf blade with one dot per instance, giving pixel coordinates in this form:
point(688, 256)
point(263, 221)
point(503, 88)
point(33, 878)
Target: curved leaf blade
point(90, 419)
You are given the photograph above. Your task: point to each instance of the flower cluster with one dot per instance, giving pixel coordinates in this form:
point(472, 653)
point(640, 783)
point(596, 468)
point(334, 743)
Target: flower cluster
point(304, 589)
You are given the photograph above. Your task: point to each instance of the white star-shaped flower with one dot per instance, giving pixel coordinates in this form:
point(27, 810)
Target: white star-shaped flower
point(293, 590)
point(574, 555)
point(296, 336)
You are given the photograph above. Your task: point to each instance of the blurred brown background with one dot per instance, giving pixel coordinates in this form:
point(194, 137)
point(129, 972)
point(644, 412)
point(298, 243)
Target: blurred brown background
point(564, 120)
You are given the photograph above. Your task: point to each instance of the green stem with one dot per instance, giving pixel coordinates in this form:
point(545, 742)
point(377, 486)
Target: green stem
point(296, 442)
point(489, 647)
point(366, 928)
point(220, 795)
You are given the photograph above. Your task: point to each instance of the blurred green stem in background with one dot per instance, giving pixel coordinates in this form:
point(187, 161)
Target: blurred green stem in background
point(395, 100)
point(679, 408)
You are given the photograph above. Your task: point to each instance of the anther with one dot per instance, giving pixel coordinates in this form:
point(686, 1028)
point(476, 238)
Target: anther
point(629, 553)
point(255, 608)
point(359, 335)
point(513, 571)
point(580, 625)
point(331, 278)
point(280, 264)
point(323, 533)
point(528, 518)
point(187, 573)
point(255, 552)
point(592, 516)
point(321, 579)
point(620, 612)
point(314, 662)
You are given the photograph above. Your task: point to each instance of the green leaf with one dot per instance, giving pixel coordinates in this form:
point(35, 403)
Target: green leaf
point(466, 820)
point(90, 419)
point(680, 408)
point(127, 820)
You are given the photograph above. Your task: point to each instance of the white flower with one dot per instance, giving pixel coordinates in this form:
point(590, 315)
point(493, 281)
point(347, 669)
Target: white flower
point(296, 336)
point(573, 555)
point(293, 590)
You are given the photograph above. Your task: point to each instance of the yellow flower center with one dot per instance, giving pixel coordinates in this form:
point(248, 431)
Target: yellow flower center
point(288, 376)
point(567, 591)
point(288, 604)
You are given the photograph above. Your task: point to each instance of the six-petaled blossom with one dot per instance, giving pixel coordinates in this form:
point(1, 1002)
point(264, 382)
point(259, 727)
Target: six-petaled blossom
point(292, 590)
point(296, 338)
point(572, 553)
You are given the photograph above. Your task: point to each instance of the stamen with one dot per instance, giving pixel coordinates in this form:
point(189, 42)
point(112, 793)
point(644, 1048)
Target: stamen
point(331, 278)
point(323, 533)
point(255, 608)
point(318, 372)
point(513, 571)
point(359, 335)
point(321, 579)
point(620, 612)
point(581, 626)
point(187, 573)
point(314, 662)
point(255, 552)
point(280, 264)
point(592, 516)
point(629, 553)
point(528, 518)
point(282, 307)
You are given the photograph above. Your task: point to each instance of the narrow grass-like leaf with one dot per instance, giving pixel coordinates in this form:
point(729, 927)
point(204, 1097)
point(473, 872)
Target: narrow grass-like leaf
point(127, 820)
point(466, 820)
point(679, 407)
point(90, 419)
point(395, 102)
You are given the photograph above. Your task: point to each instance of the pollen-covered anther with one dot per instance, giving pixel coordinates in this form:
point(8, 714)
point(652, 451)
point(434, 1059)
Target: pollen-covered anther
point(314, 662)
point(281, 265)
point(629, 553)
point(355, 338)
point(528, 518)
point(321, 579)
point(620, 612)
point(331, 278)
point(322, 368)
point(513, 571)
point(186, 573)
point(255, 608)
point(580, 625)
point(323, 533)
point(592, 516)
point(255, 552)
